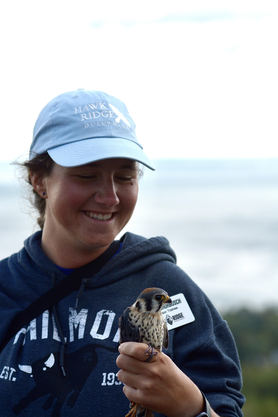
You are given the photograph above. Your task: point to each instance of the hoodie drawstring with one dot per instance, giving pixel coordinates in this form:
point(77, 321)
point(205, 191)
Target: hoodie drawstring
point(80, 292)
point(61, 335)
point(62, 338)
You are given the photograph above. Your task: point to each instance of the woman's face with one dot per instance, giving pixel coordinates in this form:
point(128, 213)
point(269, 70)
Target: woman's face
point(86, 208)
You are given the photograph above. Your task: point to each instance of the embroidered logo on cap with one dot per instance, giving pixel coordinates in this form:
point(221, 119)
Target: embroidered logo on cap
point(101, 114)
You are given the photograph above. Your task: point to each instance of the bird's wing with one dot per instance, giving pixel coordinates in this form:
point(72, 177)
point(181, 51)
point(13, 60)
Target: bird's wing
point(165, 336)
point(128, 331)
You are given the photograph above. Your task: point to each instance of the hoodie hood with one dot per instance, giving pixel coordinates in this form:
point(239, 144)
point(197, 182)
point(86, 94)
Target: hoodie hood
point(137, 253)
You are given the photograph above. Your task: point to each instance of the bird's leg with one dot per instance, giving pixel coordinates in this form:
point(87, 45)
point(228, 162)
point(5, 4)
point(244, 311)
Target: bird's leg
point(144, 412)
point(148, 413)
point(150, 353)
point(132, 411)
point(136, 410)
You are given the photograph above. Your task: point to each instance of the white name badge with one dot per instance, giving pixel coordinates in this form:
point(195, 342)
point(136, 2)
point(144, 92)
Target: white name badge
point(178, 313)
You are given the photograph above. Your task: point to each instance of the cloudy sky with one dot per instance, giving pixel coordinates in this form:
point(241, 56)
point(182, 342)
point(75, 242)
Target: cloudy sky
point(199, 77)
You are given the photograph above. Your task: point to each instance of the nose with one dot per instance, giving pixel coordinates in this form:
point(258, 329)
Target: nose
point(107, 194)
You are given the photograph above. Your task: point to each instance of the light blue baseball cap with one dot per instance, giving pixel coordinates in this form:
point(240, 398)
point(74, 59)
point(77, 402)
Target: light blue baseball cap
point(83, 126)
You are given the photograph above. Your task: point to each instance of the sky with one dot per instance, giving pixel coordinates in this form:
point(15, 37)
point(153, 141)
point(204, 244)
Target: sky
point(198, 77)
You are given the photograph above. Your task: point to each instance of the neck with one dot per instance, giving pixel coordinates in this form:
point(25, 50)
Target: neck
point(67, 256)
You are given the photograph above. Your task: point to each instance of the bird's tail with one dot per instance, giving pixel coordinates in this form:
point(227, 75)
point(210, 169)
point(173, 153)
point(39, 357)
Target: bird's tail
point(137, 410)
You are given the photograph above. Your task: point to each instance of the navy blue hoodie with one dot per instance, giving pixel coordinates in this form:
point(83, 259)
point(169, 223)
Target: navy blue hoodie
point(31, 381)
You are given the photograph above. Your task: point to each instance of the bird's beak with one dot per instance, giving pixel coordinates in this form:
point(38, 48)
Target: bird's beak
point(167, 300)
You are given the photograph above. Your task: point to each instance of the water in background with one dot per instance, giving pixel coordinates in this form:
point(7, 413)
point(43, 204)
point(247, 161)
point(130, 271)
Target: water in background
point(221, 217)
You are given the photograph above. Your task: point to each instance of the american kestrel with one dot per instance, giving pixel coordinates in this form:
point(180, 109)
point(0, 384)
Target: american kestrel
point(144, 322)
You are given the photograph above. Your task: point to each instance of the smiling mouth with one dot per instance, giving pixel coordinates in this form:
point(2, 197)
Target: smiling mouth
point(99, 216)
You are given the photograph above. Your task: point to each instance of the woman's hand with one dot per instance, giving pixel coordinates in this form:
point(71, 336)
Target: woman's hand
point(159, 384)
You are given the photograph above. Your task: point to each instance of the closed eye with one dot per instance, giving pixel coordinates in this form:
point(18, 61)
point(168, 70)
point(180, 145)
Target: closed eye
point(89, 177)
point(125, 178)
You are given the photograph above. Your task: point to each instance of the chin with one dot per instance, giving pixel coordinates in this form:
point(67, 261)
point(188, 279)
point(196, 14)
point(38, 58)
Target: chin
point(99, 244)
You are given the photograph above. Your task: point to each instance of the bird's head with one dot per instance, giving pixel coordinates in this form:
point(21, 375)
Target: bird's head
point(151, 300)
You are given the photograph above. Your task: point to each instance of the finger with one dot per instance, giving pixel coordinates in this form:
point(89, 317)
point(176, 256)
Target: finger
point(131, 393)
point(137, 366)
point(134, 349)
point(139, 351)
point(129, 378)
point(130, 364)
point(137, 396)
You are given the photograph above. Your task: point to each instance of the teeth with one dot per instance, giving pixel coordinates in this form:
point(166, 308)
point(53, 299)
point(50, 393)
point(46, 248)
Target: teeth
point(99, 216)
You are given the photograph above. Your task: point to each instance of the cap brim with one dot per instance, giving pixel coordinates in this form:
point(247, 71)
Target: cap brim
point(91, 150)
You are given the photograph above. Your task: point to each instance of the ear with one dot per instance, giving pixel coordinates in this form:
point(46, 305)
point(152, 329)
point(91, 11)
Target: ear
point(38, 183)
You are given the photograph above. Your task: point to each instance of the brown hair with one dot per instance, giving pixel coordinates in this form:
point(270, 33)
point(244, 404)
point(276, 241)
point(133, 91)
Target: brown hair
point(42, 166)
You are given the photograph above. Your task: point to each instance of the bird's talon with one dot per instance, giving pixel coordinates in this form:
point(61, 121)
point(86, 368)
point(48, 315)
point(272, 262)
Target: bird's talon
point(150, 352)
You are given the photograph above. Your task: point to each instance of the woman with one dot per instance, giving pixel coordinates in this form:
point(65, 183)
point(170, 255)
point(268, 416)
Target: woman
point(60, 358)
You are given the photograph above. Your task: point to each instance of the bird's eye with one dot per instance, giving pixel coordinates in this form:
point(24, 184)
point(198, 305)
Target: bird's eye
point(158, 297)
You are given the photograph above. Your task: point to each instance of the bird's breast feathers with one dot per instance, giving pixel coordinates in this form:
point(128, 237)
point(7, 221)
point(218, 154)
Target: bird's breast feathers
point(151, 327)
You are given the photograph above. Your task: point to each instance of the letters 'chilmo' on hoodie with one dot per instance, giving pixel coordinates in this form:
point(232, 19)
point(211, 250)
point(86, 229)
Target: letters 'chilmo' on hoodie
point(31, 381)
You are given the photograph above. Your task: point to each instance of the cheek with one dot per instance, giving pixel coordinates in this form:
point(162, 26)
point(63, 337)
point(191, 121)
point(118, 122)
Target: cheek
point(131, 197)
point(63, 197)
point(128, 199)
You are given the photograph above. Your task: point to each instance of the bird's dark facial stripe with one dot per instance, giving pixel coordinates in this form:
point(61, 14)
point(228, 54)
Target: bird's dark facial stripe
point(138, 306)
point(159, 306)
point(149, 303)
